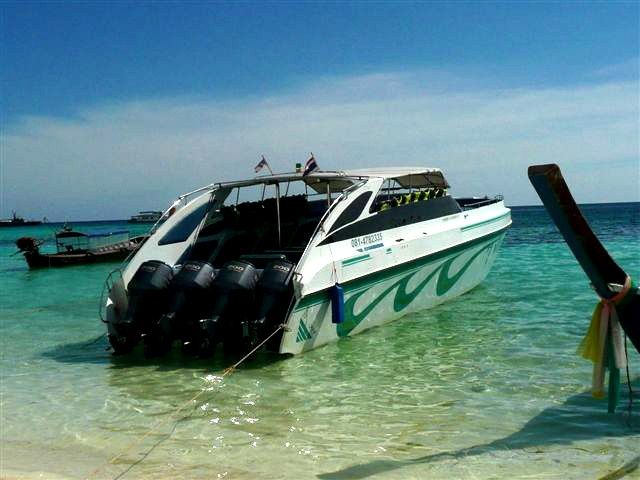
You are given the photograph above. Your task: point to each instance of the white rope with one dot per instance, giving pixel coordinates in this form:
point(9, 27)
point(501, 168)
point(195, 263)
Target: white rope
point(135, 443)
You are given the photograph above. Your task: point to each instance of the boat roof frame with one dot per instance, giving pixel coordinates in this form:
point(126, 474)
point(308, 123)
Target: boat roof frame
point(356, 175)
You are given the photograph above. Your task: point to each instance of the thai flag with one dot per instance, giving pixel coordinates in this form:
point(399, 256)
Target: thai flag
point(310, 166)
point(261, 164)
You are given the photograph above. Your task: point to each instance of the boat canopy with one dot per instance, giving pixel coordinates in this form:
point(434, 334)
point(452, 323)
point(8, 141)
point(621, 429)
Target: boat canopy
point(72, 240)
point(417, 177)
point(70, 234)
point(339, 180)
point(74, 233)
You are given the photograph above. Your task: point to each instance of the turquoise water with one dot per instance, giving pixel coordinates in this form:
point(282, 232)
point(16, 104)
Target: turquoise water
point(486, 386)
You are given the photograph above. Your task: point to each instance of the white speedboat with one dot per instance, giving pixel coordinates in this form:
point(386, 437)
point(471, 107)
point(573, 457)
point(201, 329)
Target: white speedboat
point(328, 255)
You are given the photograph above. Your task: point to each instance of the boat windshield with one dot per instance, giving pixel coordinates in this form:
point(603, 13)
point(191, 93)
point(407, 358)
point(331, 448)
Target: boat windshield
point(185, 227)
point(262, 222)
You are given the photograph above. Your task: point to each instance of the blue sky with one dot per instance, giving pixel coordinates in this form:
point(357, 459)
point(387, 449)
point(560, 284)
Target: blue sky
point(110, 108)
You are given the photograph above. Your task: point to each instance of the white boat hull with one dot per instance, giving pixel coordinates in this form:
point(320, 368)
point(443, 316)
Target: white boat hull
point(394, 249)
point(387, 295)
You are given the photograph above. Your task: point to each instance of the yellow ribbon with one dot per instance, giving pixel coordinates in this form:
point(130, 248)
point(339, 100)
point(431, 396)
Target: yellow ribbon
point(604, 320)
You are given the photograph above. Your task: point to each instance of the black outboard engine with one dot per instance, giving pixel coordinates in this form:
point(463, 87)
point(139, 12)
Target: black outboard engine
point(190, 292)
point(148, 300)
point(272, 294)
point(233, 290)
point(28, 244)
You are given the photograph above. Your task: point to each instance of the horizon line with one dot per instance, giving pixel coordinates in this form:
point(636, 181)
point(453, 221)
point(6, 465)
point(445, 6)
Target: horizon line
point(508, 206)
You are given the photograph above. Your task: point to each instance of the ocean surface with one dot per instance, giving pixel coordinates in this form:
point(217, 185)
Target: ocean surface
point(487, 386)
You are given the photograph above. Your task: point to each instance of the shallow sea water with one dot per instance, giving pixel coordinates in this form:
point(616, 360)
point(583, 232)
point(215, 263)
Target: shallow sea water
point(485, 386)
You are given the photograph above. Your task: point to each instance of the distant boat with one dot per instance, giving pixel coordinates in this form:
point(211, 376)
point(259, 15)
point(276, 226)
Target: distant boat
point(74, 248)
point(146, 216)
point(16, 221)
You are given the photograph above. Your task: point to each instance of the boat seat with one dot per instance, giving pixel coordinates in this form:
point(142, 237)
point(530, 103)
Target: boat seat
point(231, 247)
point(260, 260)
point(291, 254)
point(302, 234)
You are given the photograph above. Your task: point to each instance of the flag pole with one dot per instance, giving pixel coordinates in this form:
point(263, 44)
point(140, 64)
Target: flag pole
point(278, 212)
point(266, 164)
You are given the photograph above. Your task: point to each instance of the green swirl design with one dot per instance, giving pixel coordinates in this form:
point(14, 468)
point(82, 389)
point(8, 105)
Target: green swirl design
point(403, 298)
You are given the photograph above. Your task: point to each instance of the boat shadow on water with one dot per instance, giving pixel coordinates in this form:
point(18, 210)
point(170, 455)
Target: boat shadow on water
point(92, 351)
point(579, 418)
point(98, 351)
point(215, 365)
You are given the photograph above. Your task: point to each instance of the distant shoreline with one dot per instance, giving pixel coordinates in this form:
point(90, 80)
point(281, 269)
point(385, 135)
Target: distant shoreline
point(124, 220)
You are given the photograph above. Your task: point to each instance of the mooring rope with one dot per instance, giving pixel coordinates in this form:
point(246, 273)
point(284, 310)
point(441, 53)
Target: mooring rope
point(227, 371)
point(624, 470)
point(630, 404)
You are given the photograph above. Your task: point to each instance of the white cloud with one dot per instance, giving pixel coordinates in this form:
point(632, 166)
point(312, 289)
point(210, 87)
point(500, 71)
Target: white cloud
point(112, 160)
point(629, 68)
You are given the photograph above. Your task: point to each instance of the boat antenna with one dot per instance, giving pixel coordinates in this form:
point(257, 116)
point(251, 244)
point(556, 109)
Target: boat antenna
point(278, 211)
point(328, 193)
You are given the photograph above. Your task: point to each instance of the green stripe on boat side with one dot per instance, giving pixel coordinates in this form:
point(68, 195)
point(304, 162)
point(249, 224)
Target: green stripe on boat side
point(354, 260)
point(480, 224)
point(303, 333)
point(403, 294)
point(318, 298)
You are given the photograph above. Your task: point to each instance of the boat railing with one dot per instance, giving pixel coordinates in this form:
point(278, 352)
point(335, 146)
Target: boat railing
point(180, 202)
point(471, 203)
point(113, 277)
point(211, 186)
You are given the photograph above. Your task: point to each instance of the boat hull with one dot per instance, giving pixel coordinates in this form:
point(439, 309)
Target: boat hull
point(38, 260)
point(391, 258)
point(110, 253)
point(387, 295)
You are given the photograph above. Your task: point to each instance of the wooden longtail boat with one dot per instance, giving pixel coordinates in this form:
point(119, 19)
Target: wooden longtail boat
point(607, 277)
point(75, 248)
point(619, 305)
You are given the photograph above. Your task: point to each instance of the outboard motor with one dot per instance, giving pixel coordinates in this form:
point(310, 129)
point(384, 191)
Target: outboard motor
point(148, 300)
point(233, 290)
point(271, 298)
point(190, 291)
point(28, 245)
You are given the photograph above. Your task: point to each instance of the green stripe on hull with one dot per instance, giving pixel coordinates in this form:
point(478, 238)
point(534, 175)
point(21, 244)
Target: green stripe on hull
point(365, 282)
point(486, 222)
point(303, 333)
point(354, 260)
point(403, 297)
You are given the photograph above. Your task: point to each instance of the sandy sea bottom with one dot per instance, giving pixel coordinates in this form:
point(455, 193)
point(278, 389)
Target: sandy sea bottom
point(486, 386)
